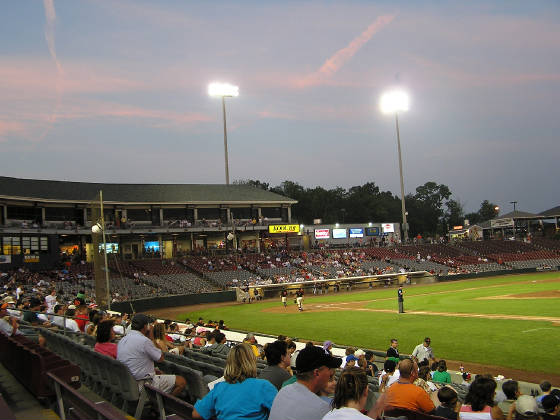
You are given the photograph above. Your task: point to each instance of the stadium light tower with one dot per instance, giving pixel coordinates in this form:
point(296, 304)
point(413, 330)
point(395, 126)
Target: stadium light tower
point(224, 90)
point(391, 103)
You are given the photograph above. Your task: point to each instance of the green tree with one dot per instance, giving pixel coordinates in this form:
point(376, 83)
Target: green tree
point(253, 183)
point(487, 210)
point(454, 216)
point(425, 208)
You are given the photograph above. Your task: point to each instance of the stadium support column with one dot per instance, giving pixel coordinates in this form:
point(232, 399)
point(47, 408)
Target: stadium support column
point(289, 214)
point(4, 214)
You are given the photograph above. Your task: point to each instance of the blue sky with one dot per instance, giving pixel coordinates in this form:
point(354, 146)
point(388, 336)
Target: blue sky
point(115, 91)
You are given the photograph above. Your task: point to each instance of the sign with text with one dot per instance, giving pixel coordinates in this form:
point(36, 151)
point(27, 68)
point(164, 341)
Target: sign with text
point(498, 223)
point(356, 232)
point(372, 231)
point(388, 227)
point(322, 233)
point(31, 258)
point(283, 229)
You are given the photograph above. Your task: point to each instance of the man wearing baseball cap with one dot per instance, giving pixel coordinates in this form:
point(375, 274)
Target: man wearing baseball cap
point(299, 400)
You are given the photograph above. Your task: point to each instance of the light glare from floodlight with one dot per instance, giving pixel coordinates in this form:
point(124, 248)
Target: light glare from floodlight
point(223, 89)
point(394, 101)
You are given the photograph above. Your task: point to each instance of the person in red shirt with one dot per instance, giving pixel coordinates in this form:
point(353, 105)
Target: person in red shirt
point(105, 336)
point(82, 317)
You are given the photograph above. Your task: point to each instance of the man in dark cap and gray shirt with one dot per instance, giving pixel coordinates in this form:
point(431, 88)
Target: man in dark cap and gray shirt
point(138, 353)
point(299, 400)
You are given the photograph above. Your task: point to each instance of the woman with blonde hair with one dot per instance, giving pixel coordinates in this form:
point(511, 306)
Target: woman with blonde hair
point(162, 343)
point(350, 396)
point(241, 395)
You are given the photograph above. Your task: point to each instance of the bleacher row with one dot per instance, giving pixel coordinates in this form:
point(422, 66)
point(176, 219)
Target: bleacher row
point(112, 381)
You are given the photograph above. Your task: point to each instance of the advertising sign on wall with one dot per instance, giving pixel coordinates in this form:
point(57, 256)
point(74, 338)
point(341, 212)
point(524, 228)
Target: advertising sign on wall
point(372, 231)
point(339, 233)
point(388, 227)
point(283, 229)
point(356, 232)
point(322, 233)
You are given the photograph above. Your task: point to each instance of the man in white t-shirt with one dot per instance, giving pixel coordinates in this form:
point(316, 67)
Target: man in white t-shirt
point(50, 301)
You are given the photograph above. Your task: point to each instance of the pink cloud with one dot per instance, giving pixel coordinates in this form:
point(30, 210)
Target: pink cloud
point(338, 59)
point(275, 115)
point(10, 127)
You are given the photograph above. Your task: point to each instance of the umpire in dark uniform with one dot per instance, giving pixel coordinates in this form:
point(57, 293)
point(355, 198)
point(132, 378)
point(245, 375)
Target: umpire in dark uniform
point(400, 296)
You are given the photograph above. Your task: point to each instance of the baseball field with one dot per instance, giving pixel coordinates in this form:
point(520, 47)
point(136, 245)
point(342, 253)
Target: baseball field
point(506, 322)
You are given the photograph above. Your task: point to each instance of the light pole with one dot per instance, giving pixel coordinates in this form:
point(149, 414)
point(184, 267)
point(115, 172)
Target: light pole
point(224, 91)
point(391, 103)
point(514, 204)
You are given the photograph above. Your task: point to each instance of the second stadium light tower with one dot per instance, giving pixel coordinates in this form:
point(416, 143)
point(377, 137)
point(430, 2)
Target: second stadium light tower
point(224, 90)
point(391, 103)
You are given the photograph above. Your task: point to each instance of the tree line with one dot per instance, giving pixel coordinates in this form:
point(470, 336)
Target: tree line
point(431, 210)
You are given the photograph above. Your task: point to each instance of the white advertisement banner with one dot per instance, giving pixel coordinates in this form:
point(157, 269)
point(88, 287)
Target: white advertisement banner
point(499, 223)
point(388, 227)
point(322, 233)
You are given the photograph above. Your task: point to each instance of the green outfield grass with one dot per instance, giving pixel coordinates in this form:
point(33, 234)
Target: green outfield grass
point(521, 344)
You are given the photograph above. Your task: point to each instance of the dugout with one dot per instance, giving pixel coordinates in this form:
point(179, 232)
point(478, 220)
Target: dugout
point(337, 285)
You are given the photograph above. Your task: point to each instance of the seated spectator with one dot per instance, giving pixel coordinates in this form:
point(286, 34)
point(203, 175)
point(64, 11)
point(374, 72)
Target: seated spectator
point(479, 402)
point(347, 352)
point(252, 341)
point(137, 352)
point(278, 360)
point(350, 396)
point(95, 318)
point(449, 408)
point(104, 339)
point(424, 380)
point(327, 346)
point(241, 395)
point(551, 406)
point(30, 315)
point(350, 361)
point(219, 347)
point(545, 387)
point(511, 391)
point(371, 367)
point(525, 408)
point(162, 343)
point(467, 378)
point(441, 374)
point(82, 317)
point(200, 339)
point(404, 394)
point(388, 375)
point(10, 325)
point(70, 323)
point(299, 400)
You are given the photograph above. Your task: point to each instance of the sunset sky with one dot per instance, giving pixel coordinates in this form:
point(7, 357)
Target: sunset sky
point(116, 91)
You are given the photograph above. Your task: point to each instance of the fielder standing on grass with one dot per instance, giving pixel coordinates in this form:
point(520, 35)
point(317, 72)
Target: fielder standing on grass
point(400, 296)
point(299, 298)
point(284, 295)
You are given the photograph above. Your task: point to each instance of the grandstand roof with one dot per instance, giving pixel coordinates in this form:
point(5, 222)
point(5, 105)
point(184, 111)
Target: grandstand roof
point(555, 211)
point(67, 191)
point(516, 215)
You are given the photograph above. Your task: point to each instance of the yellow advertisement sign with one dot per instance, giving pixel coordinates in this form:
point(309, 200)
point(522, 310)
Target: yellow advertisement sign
point(283, 229)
